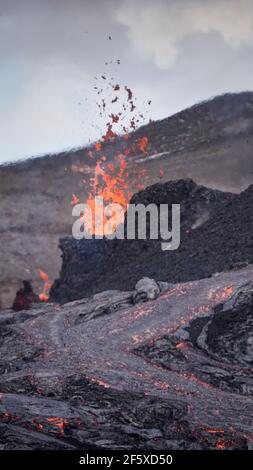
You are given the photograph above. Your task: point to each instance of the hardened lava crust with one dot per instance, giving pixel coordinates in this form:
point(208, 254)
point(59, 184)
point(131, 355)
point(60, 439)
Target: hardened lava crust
point(105, 372)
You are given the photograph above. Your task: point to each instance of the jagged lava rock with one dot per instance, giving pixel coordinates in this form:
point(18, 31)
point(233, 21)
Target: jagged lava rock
point(91, 266)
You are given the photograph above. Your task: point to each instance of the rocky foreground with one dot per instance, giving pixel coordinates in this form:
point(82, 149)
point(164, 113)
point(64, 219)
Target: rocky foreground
point(165, 366)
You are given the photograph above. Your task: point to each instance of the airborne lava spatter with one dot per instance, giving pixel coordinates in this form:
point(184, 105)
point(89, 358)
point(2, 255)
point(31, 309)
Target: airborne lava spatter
point(111, 179)
point(44, 295)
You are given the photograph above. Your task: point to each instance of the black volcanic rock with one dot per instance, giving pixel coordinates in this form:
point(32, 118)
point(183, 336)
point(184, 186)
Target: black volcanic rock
point(91, 266)
point(24, 297)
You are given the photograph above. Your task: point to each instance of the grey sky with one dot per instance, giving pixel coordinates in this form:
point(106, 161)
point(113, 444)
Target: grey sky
point(174, 52)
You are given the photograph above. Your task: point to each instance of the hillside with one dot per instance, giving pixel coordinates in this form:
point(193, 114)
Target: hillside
point(211, 142)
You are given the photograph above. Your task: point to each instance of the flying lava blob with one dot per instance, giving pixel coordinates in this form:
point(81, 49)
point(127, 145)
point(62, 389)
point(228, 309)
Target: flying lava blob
point(111, 180)
point(44, 295)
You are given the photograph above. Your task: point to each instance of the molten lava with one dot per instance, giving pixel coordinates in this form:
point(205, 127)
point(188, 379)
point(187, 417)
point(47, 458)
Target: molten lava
point(44, 295)
point(111, 180)
point(220, 445)
point(58, 422)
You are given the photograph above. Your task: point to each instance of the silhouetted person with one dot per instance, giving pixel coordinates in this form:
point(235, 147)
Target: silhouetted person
point(24, 297)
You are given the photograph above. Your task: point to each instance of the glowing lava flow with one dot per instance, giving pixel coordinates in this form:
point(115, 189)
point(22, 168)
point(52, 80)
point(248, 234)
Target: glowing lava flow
point(159, 348)
point(59, 423)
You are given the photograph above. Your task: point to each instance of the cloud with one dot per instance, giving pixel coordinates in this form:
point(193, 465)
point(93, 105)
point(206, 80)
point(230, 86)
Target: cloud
point(157, 29)
point(174, 52)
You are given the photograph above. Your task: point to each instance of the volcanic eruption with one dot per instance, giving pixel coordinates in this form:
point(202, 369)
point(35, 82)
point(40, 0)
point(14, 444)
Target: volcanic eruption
point(134, 347)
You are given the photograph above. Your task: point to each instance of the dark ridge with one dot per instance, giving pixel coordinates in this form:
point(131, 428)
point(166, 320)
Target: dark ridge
point(215, 234)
